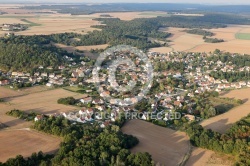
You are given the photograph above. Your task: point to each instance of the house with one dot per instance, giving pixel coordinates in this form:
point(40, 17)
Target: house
point(39, 117)
point(75, 75)
point(190, 117)
point(105, 94)
point(97, 101)
point(178, 103)
point(86, 100)
point(237, 86)
point(227, 86)
point(51, 75)
point(4, 82)
point(14, 73)
point(100, 107)
point(49, 84)
point(242, 83)
point(105, 124)
point(61, 67)
point(44, 75)
point(73, 80)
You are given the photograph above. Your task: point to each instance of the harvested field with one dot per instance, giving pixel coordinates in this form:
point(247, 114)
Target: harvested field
point(38, 100)
point(50, 23)
point(165, 145)
point(181, 41)
point(6, 92)
point(25, 142)
point(203, 157)
point(224, 121)
point(186, 42)
point(42, 102)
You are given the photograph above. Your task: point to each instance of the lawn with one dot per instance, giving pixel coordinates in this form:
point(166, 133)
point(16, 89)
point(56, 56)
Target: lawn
point(242, 36)
point(73, 88)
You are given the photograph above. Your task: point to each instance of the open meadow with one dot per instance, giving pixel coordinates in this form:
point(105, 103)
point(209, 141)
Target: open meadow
point(224, 121)
point(25, 142)
point(166, 146)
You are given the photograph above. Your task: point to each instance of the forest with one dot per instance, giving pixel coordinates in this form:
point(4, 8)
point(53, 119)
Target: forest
point(212, 40)
point(199, 32)
point(135, 32)
point(85, 145)
point(21, 53)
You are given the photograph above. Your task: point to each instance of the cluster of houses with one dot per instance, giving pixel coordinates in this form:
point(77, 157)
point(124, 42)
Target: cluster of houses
point(170, 100)
point(13, 27)
point(200, 75)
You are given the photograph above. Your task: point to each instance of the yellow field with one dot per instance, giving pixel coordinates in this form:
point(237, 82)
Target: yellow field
point(182, 41)
point(37, 99)
point(166, 146)
point(224, 121)
point(203, 157)
point(25, 142)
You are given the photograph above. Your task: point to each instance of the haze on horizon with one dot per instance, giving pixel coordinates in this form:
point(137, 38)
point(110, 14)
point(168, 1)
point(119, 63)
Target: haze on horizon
point(221, 2)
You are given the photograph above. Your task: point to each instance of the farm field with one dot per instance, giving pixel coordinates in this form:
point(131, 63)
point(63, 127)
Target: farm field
point(165, 145)
point(243, 36)
point(50, 23)
point(42, 102)
point(181, 41)
point(224, 121)
point(25, 142)
point(203, 157)
point(6, 92)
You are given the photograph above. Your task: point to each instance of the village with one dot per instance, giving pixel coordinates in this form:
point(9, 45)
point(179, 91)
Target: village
point(165, 103)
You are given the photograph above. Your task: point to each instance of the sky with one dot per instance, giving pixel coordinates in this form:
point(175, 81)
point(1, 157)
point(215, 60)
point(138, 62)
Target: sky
point(240, 2)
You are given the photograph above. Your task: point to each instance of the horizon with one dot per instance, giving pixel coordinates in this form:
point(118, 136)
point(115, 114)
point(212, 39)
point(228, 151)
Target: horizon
point(206, 2)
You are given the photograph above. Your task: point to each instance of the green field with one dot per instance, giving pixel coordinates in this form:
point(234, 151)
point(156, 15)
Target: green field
point(243, 36)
